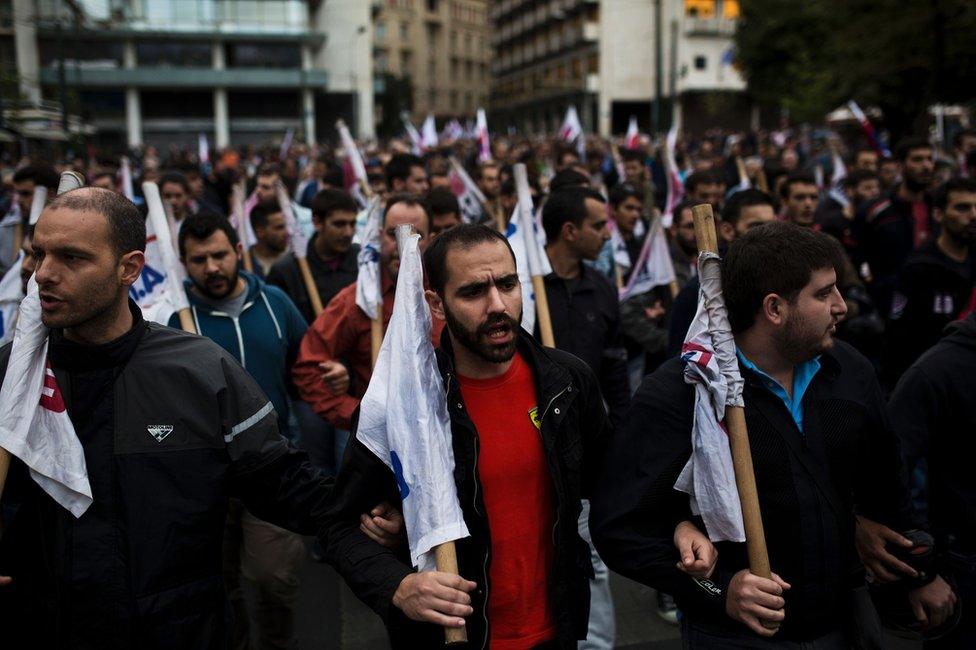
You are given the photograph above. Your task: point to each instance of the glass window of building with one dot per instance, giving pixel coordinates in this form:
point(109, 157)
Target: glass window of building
point(264, 55)
point(700, 62)
point(404, 31)
point(89, 54)
point(379, 30)
point(701, 8)
point(177, 54)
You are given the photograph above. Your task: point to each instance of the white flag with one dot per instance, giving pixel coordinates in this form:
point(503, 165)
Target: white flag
point(297, 239)
point(354, 169)
point(10, 297)
point(125, 173)
point(571, 128)
point(469, 195)
point(34, 423)
point(528, 242)
point(369, 295)
point(159, 290)
point(429, 133)
point(416, 142)
point(403, 416)
point(484, 145)
point(203, 149)
point(653, 267)
point(711, 366)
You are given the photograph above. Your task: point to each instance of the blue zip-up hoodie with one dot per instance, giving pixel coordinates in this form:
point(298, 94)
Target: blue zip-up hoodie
point(264, 339)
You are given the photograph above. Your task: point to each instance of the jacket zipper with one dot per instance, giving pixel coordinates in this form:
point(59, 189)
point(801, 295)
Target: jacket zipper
point(555, 525)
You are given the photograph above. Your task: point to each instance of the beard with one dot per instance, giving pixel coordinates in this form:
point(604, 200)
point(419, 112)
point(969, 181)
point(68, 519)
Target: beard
point(218, 286)
point(917, 183)
point(800, 341)
point(478, 342)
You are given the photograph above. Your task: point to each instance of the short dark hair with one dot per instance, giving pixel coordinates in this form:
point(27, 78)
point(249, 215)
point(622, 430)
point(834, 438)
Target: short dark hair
point(261, 212)
point(486, 165)
point(126, 226)
point(623, 191)
point(857, 176)
point(744, 199)
point(399, 166)
point(568, 179)
point(566, 205)
point(442, 201)
point(796, 178)
point(957, 184)
point(174, 177)
point(958, 137)
point(776, 257)
point(909, 144)
point(704, 177)
point(463, 236)
point(632, 155)
point(333, 175)
point(409, 200)
point(331, 200)
point(41, 175)
point(269, 169)
point(202, 225)
point(189, 170)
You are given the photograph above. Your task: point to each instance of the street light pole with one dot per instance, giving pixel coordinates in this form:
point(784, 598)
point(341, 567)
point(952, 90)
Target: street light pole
point(658, 85)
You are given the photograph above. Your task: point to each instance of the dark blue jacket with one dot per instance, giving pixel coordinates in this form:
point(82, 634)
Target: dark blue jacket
point(264, 339)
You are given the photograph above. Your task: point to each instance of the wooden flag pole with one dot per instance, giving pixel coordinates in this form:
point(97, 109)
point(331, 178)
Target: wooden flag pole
point(159, 218)
point(542, 311)
point(735, 423)
point(237, 196)
point(446, 556)
point(313, 291)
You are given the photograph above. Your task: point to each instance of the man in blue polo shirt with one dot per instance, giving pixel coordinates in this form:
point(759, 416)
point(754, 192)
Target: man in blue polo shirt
point(822, 448)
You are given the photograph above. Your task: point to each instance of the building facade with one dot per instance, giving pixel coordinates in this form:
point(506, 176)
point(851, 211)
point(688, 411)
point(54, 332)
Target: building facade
point(163, 71)
point(442, 46)
point(610, 59)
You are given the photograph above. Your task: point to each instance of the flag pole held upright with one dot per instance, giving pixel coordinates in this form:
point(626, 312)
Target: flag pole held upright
point(735, 424)
point(299, 246)
point(527, 223)
point(237, 198)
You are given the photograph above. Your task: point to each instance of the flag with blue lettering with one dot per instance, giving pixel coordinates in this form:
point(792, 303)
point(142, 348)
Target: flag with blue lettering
point(369, 295)
point(403, 416)
point(159, 289)
point(528, 242)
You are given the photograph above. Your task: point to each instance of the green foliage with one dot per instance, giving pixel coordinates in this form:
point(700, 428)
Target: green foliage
point(811, 56)
point(397, 96)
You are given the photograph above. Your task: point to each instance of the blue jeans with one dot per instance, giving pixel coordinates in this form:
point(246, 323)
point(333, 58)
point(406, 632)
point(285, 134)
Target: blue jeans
point(601, 631)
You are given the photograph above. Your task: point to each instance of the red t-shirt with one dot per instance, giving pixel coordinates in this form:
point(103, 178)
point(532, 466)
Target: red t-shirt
point(518, 495)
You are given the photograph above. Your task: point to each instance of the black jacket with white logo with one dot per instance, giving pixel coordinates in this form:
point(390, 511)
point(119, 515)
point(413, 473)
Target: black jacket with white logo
point(171, 427)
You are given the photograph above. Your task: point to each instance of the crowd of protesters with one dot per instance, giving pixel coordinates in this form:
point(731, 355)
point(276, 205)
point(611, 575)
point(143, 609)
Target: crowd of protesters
point(885, 411)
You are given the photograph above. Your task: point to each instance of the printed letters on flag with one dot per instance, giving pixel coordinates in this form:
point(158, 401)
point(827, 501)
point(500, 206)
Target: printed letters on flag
point(368, 287)
point(10, 297)
point(404, 420)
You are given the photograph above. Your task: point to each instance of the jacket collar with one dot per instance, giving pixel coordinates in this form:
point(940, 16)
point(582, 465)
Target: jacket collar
point(550, 376)
point(253, 287)
point(349, 261)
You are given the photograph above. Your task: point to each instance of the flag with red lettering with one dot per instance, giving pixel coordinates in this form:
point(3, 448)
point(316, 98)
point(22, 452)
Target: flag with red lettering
point(34, 424)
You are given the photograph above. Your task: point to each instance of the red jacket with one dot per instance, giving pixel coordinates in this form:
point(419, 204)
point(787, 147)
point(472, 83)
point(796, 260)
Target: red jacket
point(342, 333)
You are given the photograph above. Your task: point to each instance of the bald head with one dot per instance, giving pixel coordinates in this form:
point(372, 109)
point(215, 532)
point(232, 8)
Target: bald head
point(126, 227)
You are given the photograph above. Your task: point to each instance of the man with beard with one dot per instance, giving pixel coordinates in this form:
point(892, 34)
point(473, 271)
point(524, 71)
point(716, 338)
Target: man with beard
point(271, 233)
point(888, 230)
point(527, 425)
point(343, 331)
point(936, 285)
point(821, 446)
point(260, 327)
point(170, 425)
point(860, 186)
point(684, 250)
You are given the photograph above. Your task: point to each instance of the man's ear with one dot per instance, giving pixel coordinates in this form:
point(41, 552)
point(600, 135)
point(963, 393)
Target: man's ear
point(239, 249)
point(568, 231)
point(774, 309)
point(937, 215)
point(130, 267)
point(726, 231)
point(436, 304)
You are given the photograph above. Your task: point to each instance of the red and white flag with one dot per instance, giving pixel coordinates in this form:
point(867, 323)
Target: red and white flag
point(484, 145)
point(34, 423)
point(470, 197)
point(632, 139)
point(712, 368)
point(428, 133)
point(571, 128)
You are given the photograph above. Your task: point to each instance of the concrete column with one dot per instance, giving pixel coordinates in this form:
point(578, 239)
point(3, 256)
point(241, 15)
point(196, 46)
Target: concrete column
point(25, 44)
point(133, 117)
point(308, 99)
point(221, 118)
point(308, 115)
point(133, 102)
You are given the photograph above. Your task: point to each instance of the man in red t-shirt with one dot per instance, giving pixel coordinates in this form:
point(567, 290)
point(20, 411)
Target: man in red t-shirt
point(528, 426)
